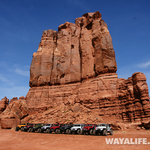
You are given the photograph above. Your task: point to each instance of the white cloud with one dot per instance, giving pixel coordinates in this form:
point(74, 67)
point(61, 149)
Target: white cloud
point(22, 72)
point(144, 65)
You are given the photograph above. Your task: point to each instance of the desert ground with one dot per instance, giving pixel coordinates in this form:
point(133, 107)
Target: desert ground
point(12, 140)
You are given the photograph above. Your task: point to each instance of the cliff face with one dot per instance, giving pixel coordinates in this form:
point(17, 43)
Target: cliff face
point(105, 96)
point(77, 66)
point(134, 98)
point(78, 51)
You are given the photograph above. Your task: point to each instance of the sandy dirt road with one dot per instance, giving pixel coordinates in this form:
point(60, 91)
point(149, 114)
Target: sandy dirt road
point(12, 140)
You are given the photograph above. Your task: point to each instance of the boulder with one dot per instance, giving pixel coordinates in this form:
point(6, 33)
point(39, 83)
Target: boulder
point(9, 123)
point(12, 115)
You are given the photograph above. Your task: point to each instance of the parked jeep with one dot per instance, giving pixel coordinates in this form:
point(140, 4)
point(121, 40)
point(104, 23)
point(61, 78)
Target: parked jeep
point(103, 129)
point(27, 127)
point(88, 129)
point(35, 127)
point(54, 128)
point(44, 128)
point(77, 129)
point(20, 126)
point(65, 128)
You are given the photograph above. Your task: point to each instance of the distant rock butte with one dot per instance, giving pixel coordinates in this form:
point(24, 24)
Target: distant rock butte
point(73, 80)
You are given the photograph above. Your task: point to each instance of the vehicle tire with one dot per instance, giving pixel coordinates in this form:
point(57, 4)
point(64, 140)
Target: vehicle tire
point(56, 131)
point(94, 132)
point(111, 132)
point(22, 129)
point(48, 131)
point(91, 132)
point(32, 130)
point(68, 131)
point(104, 132)
point(17, 129)
point(79, 131)
point(39, 130)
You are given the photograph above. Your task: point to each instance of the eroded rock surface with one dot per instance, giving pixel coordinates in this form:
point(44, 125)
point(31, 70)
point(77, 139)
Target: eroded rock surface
point(134, 98)
point(78, 51)
point(12, 115)
point(3, 104)
point(104, 97)
point(76, 68)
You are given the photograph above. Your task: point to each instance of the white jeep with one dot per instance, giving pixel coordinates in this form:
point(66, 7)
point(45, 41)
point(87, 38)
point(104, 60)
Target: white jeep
point(44, 128)
point(103, 129)
point(77, 128)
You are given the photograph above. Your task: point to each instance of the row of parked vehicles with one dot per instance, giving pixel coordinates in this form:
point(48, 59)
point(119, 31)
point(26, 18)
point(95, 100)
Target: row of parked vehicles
point(91, 129)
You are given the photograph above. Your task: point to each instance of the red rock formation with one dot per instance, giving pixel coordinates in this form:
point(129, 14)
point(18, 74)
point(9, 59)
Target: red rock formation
point(78, 51)
point(134, 98)
point(12, 115)
point(13, 99)
point(9, 123)
point(93, 89)
point(73, 80)
point(3, 104)
point(105, 96)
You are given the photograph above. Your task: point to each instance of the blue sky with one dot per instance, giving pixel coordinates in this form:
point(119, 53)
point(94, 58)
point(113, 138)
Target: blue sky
point(23, 21)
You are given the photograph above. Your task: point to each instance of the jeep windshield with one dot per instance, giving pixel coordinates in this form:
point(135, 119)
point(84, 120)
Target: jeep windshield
point(89, 125)
point(30, 124)
point(39, 124)
point(77, 125)
point(47, 124)
point(55, 125)
point(66, 124)
point(101, 124)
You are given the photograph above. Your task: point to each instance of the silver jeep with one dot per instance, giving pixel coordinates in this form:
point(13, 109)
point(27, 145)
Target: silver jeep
point(77, 128)
point(103, 129)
